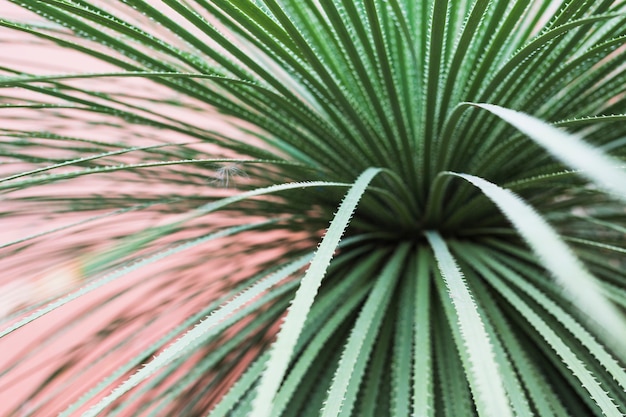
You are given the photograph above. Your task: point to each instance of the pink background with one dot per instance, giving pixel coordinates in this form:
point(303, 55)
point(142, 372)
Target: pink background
point(141, 306)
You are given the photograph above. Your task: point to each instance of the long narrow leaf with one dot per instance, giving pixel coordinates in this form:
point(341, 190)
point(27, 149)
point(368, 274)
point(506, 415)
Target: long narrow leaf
point(603, 170)
point(580, 286)
point(356, 351)
point(483, 373)
point(195, 335)
point(282, 349)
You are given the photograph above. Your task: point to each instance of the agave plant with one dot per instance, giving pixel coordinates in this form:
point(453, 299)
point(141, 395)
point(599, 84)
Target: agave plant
point(324, 208)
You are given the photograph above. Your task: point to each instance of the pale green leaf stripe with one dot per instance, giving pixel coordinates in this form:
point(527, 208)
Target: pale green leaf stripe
point(195, 336)
point(517, 395)
point(587, 379)
point(374, 384)
point(596, 244)
point(603, 170)
point(299, 371)
point(423, 398)
point(525, 369)
point(403, 346)
point(608, 118)
point(555, 255)
point(544, 399)
point(484, 376)
point(349, 372)
point(282, 349)
point(341, 304)
point(595, 348)
point(452, 365)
